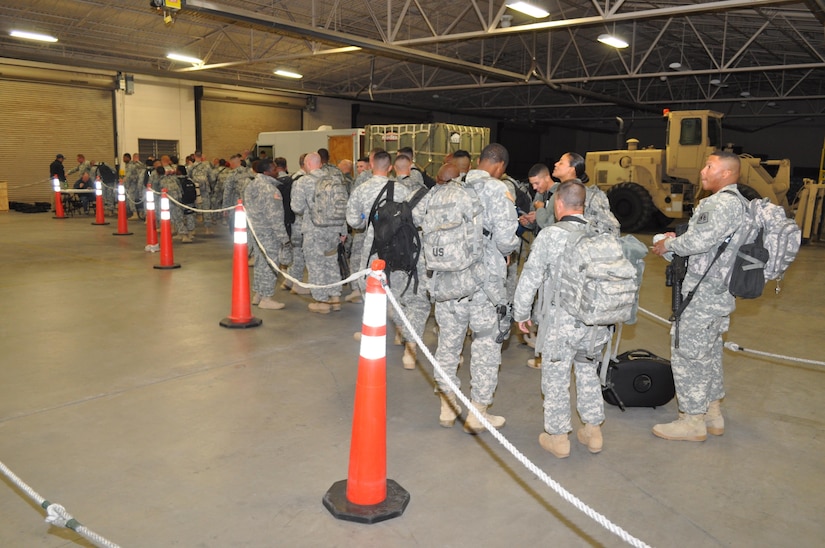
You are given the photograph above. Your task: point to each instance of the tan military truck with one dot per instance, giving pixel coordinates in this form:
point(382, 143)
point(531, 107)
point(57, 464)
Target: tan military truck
point(653, 185)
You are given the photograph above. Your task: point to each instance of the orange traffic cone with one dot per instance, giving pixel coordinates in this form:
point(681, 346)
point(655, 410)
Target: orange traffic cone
point(167, 255)
point(241, 315)
point(367, 496)
point(151, 233)
point(59, 213)
point(100, 219)
point(122, 224)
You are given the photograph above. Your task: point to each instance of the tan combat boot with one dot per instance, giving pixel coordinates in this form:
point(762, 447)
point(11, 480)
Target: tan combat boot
point(320, 308)
point(408, 359)
point(534, 363)
point(473, 426)
point(591, 436)
point(449, 409)
point(299, 290)
point(256, 298)
point(714, 421)
point(556, 444)
point(335, 303)
point(399, 338)
point(270, 304)
point(685, 428)
point(354, 297)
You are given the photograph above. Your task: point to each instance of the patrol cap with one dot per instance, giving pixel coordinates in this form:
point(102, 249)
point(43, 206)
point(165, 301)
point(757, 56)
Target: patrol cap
point(59, 156)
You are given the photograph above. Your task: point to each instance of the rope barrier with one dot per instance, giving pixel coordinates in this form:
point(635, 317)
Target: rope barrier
point(57, 514)
point(544, 477)
point(736, 348)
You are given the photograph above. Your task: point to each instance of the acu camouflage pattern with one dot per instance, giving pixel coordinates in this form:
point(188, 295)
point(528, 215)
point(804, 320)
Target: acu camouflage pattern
point(596, 209)
point(265, 211)
point(562, 340)
point(320, 243)
point(201, 174)
point(697, 363)
point(477, 312)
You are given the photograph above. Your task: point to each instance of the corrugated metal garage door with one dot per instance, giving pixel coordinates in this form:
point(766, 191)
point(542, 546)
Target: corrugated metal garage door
point(231, 120)
point(42, 119)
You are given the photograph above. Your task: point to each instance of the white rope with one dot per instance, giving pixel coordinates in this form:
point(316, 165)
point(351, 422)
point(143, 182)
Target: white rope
point(352, 278)
point(56, 514)
point(736, 348)
point(565, 494)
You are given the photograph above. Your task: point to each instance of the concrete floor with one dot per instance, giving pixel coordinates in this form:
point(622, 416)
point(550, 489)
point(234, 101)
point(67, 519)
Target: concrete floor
point(123, 400)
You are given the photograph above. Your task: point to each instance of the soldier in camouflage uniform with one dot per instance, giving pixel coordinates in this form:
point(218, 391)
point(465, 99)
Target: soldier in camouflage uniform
point(562, 339)
point(265, 210)
point(296, 236)
point(201, 173)
point(697, 360)
point(233, 188)
point(320, 244)
point(220, 173)
point(135, 190)
point(357, 234)
point(478, 312)
point(537, 217)
point(169, 182)
point(83, 166)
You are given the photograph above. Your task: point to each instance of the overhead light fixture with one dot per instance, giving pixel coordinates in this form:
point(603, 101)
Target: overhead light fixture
point(715, 81)
point(33, 36)
point(745, 94)
point(675, 65)
point(528, 9)
point(289, 74)
point(613, 41)
point(772, 104)
point(184, 58)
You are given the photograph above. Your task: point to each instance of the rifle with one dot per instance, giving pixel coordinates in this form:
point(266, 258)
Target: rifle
point(674, 276)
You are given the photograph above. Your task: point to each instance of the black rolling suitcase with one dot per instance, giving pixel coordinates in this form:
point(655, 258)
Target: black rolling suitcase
point(637, 378)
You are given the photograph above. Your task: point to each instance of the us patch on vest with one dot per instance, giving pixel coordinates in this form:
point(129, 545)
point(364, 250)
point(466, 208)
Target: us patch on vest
point(703, 218)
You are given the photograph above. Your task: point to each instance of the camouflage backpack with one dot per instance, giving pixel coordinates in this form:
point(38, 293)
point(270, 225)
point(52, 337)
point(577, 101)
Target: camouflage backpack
point(597, 284)
point(331, 197)
point(453, 240)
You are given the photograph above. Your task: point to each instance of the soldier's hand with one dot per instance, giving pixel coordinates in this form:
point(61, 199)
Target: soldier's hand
point(524, 326)
point(659, 247)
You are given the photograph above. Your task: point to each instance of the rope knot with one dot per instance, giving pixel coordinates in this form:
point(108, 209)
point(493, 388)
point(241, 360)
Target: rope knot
point(57, 515)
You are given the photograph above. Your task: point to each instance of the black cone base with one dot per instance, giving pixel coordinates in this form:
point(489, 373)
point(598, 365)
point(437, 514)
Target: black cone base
point(122, 233)
point(101, 224)
point(335, 500)
point(165, 267)
point(252, 322)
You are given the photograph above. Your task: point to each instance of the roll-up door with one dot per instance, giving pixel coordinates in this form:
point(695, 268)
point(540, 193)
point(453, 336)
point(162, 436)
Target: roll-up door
point(230, 120)
point(41, 119)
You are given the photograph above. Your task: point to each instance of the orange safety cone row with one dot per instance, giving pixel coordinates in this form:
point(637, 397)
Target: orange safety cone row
point(367, 496)
point(122, 223)
point(167, 255)
point(151, 233)
point(100, 218)
point(59, 213)
point(241, 315)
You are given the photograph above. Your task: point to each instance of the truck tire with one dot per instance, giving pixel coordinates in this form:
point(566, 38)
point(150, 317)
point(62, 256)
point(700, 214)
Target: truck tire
point(748, 192)
point(632, 206)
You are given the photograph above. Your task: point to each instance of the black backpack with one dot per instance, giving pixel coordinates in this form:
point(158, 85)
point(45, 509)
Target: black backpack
point(395, 236)
point(107, 174)
point(189, 191)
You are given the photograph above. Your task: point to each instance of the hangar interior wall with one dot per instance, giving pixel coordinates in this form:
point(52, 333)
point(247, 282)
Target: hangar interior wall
point(43, 119)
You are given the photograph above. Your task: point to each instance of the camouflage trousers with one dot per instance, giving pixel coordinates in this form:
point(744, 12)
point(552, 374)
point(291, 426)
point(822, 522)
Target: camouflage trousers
point(453, 318)
point(264, 276)
point(183, 223)
point(321, 255)
point(415, 304)
point(356, 249)
point(555, 385)
point(296, 269)
point(133, 197)
point(697, 363)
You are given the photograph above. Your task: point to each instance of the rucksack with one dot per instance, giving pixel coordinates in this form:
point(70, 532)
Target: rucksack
point(768, 242)
point(107, 174)
point(597, 211)
point(395, 236)
point(189, 191)
point(453, 240)
point(330, 202)
point(596, 284)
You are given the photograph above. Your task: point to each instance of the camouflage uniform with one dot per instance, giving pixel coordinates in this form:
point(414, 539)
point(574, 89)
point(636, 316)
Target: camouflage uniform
point(265, 211)
point(596, 209)
point(320, 243)
point(221, 173)
point(697, 362)
point(562, 339)
point(233, 190)
point(357, 243)
point(201, 173)
point(414, 304)
point(81, 168)
point(173, 190)
point(296, 269)
point(477, 311)
point(133, 182)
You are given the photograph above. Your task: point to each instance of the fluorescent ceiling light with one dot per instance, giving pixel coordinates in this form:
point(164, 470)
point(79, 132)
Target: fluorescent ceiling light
point(184, 58)
point(715, 81)
point(528, 9)
point(675, 65)
point(611, 40)
point(33, 36)
point(745, 94)
point(288, 74)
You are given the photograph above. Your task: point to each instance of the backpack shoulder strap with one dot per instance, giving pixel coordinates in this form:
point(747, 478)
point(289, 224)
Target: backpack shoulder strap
point(388, 191)
point(417, 197)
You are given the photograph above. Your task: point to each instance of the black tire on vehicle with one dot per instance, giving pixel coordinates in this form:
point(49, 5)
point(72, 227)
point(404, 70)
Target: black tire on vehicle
point(632, 206)
point(748, 192)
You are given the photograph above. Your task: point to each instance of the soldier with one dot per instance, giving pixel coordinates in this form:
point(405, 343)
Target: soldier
point(562, 339)
point(221, 172)
point(296, 236)
point(415, 174)
point(461, 160)
point(357, 245)
point(201, 172)
point(361, 165)
point(233, 187)
point(169, 182)
point(696, 338)
point(345, 167)
point(478, 311)
point(540, 180)
point(186, 217)
point(135, 175)
point(320, 243)
point(82, 167)
point(265, 210)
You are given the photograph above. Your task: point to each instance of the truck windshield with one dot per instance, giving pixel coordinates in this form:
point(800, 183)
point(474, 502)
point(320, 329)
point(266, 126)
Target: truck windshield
point(691, 132)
